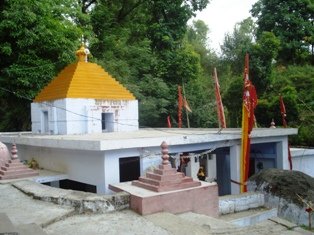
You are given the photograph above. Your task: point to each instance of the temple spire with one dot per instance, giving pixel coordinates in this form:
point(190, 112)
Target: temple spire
point(82, 54)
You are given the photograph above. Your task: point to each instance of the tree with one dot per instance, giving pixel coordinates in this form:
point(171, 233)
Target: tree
point(233, 101)
point(235, 45)
point(142, 44)
point(262, 56)
point(37, 38)
point(292, 22)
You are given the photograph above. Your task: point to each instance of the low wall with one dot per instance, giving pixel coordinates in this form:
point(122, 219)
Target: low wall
point(286, 210)
point(240, 202)
point(303, 160)
point(81, 201)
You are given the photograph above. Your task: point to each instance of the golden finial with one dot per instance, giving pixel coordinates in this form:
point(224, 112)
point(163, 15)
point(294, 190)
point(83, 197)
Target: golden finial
point(82, 53)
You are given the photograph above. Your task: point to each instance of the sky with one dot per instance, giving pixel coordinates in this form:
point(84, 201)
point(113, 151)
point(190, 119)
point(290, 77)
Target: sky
point(221, 16)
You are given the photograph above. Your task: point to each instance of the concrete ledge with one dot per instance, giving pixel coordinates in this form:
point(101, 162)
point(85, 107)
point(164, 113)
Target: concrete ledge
point(255, 218)
point(240, 202)
point(81, 201)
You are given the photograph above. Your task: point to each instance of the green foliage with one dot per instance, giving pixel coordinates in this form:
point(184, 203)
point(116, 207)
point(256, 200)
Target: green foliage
point(37, 38)
point(141, 43)
point(262, 54)
point(292, 22)
point(295, 84)
point(235, 45)
point(233, 101)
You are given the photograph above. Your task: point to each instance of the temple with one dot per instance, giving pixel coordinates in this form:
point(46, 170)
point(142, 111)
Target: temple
point(84, 99)
point(85, 131)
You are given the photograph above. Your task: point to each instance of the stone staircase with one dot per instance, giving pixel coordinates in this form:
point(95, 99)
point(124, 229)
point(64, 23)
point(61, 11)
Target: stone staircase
point(165, 178)
point(14, 169)
point(6, 227)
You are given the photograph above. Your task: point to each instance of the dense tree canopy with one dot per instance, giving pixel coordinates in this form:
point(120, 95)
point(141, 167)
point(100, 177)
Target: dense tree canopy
point(37, 38)
point(292, 22)
point(150, 47)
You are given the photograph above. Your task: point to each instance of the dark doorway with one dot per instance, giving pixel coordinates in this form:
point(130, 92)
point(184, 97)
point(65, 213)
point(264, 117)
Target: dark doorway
point(223, 171)
point(129, 168)
point(107, 122)
point(75, 185)
point(46, 123)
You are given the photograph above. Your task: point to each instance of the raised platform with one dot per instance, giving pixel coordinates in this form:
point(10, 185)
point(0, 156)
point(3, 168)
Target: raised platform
point(201, 199)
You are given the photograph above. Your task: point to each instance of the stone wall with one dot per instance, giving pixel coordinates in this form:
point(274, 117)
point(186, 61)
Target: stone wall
point(81, 201)
point(241, 202)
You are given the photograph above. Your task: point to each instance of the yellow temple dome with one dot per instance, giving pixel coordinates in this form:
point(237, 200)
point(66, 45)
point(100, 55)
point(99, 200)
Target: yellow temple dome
point(84, 80)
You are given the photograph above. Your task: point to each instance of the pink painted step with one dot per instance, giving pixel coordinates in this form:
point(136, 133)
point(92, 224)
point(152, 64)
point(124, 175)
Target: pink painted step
point(176, 175)
point(166, 187)
point(15, 172)
point(17, 176)
point(15, 167)
point(159, 183)
point(164, 179)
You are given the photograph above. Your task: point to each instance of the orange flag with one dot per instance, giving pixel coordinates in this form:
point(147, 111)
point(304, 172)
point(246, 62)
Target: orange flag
point(284, 123)
point(220, 107)
point(248, 106)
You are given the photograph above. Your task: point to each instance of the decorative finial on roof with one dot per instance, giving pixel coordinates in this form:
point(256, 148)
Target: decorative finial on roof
point(82, 53)
point(272, 124)
point(164, 152)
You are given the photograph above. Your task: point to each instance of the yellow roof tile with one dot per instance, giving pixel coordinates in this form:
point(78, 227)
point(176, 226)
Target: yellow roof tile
point(84, 80)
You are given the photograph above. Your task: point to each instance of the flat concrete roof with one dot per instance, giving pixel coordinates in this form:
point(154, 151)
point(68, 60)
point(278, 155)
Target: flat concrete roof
point(148, 137)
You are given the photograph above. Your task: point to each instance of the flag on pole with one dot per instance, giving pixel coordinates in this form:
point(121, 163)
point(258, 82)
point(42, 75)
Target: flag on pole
point(284, 123)
point(283, 111)
point(168, 121)
point(186, 105)
point(248, 119)
point(220, 107)
point(180, 105)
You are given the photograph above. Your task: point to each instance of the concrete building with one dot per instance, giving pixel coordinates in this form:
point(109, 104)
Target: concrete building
point(85, 126)
point(109, 158)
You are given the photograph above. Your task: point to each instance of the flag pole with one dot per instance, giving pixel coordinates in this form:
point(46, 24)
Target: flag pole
point(248, 106)
point(285, 125)
point(220, 107)
point(186, 112)
point(180, 104)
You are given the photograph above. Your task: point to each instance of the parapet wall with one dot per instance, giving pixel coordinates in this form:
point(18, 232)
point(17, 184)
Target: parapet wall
point(240, 202)
point(81, 201)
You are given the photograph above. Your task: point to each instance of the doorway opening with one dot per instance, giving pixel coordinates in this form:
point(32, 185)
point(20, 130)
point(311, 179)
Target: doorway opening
point(129, 168)
point(107, 122)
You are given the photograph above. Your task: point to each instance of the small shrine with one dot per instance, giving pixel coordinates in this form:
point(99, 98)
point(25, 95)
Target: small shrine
point(166, 190)
point(84, 99)
point(165, 178)
point(12, 167)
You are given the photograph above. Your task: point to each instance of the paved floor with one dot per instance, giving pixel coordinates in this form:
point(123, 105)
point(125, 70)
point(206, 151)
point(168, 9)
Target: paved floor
point(56, 219)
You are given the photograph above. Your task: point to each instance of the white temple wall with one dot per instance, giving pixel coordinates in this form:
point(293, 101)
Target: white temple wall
point(82, 166)
point(303, 160)
point(81, 116)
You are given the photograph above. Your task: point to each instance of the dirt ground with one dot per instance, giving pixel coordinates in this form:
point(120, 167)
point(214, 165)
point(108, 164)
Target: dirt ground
point(285, 184)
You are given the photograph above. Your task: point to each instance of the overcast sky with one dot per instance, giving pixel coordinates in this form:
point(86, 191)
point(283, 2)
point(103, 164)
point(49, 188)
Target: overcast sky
point(221, 16)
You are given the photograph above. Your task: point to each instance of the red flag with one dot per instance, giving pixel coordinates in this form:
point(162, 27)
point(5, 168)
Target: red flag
point(168, 121)
point(283, 111)
point(284, 123)
point(180, 105)
point(248, 107)
point(220, 107)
